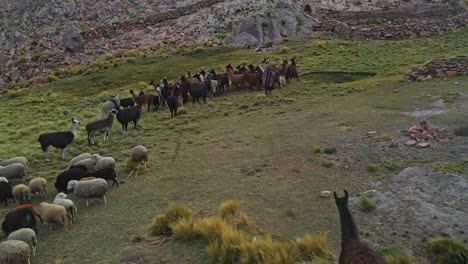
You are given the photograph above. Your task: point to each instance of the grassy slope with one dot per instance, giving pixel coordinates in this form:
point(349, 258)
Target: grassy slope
point(261, 156)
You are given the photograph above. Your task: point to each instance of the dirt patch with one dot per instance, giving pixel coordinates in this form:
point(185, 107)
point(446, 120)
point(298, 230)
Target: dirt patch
point(418, 205)
point(436, 108)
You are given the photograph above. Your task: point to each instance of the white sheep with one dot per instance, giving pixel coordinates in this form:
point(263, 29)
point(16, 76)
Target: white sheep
point(96, 188)
point(139, 157)
point(3, 179)
point(89, 163)
point(14, 160)
point(26, 235)
point(79, 158)
point(21, 193)
point(14, 171)
point(38, 185)
point(61, 199)
point(103, 162)
point(54, 214)
point(15, 252)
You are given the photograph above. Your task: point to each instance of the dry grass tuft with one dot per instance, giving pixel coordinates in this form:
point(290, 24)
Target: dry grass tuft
point(242, 221)
point(267, 251)
point(229, 208)
point(161, 224)
point(184, 229)
point(446, 250)
point(211, 228)
point(227, 249)
point(137, 238)
point(399, 259)
point(313, 246)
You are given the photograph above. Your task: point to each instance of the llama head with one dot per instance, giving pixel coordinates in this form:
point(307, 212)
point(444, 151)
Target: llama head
point(113, 112)
point(113, 96)
point(341, 201)
point(131, 91)
point(229, 66)
point(75, 121)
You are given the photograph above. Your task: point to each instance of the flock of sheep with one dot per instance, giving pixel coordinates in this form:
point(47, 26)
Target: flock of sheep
point(86, 176)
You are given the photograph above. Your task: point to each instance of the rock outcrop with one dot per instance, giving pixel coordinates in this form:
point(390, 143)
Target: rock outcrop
point(444, 67)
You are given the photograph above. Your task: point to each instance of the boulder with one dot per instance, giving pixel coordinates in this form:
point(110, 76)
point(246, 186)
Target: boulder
point(72, 39)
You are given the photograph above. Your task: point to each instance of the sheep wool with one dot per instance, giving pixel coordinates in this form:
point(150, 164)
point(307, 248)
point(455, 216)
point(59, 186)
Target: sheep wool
point(14, 171)
point(38, 185)
point(61, 199)
point(54, 214)
point(15, 252)
point(89, 163)
point(14, 160)
point(26, 235)
point(139, 154)
point(79, 158)
point(96, 188)
point(21, 193)
point(103, 162)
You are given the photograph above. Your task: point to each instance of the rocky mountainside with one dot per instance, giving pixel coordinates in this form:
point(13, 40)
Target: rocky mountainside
point(38, 36)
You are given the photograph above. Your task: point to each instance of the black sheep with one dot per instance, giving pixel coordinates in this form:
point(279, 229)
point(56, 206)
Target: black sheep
point(131, 114)
point(58, 139)
point(107, 174)
point(17, 219)
point(74, 173)
point(126, 102)
point(6, 192)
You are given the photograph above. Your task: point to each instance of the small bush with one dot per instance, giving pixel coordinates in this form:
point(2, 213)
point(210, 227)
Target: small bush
point(454, 168)
point(226, 250)
point(229, 208)
point(445, 250)
point(312, 246)
point(182, 111)
point(160, 226)
point(131, 59)
point(183, 229)
point(136, 238)
point(317, 149)
point(329, 150)
point(365, 204)
point(373, 167)
point(211, 228)
point(284, 49)
point(52, 78)
point(267, 251)
point(58, 261)
point(177, 212)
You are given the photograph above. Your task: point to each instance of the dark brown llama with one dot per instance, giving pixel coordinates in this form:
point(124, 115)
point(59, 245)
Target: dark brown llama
point(353, 251)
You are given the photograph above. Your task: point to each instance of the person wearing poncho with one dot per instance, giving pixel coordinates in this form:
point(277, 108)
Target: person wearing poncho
point(268, 80)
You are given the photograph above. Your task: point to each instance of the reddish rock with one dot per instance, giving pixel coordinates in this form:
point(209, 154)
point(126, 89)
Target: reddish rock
point(411, 143)
point(370, 193)
point(444, 140)
point(451, 73)
point(325, 194)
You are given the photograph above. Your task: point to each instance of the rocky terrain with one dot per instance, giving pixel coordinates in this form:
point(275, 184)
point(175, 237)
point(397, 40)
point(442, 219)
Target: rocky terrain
point(39, 36)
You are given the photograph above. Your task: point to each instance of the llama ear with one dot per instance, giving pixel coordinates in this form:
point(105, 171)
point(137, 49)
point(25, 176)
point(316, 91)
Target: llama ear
point(346, 194)
point(335, 196)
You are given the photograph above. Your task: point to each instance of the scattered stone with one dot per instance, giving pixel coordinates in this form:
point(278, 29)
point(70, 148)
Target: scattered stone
point(325, 194)
point(444, 140)
point(456, 83)
point(423, 145)
point(370, 193)
point(371, 132)
point(451, 73)
point(411, 142)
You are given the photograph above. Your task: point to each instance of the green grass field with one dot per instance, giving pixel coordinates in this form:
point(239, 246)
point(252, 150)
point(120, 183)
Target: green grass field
point(244, 146)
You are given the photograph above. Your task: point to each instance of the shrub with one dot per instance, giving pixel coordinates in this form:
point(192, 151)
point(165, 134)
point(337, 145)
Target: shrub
point(183, 229)
point(177, 212)
point(136, 238)
point(445, 250)
point(284, 49)
point(365, 204)
point(161, 224)
point(312, 246)
point(226, 249)
point(211, 228)
point(317, 149)
point(52, 78)
point(229, 208)
point(330, 150)
point(182, 111)
point(373, 167)
point(267, 251)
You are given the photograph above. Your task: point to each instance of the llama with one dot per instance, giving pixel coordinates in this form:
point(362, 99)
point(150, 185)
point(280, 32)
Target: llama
point(58, 139)
point(114, 103)
point(353, 251)
point(145, 99)
point(237, 80)
point(222, 78)
point(104, 126)
point(291, 71)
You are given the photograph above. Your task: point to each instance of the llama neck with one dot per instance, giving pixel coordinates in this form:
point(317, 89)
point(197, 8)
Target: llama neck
point(73, 128)
point(348, 227)
point(230, 72)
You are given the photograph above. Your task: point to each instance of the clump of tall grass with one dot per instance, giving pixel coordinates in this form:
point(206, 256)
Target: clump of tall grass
point(312, 246)
point(229, 208)
point(446, 250)
point(366, 204)
point(161, 225)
